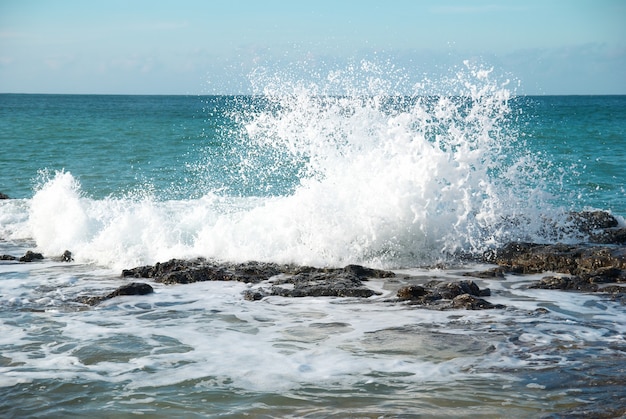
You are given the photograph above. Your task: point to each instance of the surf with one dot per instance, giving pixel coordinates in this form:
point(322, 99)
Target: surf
point(348, 168)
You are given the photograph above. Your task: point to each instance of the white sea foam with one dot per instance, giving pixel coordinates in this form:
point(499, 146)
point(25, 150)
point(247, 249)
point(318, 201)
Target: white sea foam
point(380, 183)
point(206, 332)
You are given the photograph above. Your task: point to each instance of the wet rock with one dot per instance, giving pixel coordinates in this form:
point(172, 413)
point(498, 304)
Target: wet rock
point(31, 256)
point(604, 275)
point(597, 227)
point(4, 196)
point(336, 283)
point(412, 292)
point(488, 274)
point(419, 295)
point(177, 271)
point(540, 311)
point(134, 288)
point(447, 295)
point(470, 302)
point(613, 289)
point(7, 257)
point(65, 257)
point(254, 295)
point(570, 283)
point(363, 273)
point(588, 221)
point(585, 265)
point(449, 290)
point(609, 236)
point(294, 281)
point(563, 258)
point(326, 282)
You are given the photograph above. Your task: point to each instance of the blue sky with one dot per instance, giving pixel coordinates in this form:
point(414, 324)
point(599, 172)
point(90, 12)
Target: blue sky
point(207, 47)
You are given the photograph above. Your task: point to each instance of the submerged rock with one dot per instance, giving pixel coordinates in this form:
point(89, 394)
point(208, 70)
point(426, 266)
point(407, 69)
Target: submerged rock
point(488, 274)
point(134, 288)
point(65, 257)
point(565, 283)
point(470, 302)
point(31, 256)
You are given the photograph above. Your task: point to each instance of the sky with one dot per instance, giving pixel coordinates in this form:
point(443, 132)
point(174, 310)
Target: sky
point(212, 47)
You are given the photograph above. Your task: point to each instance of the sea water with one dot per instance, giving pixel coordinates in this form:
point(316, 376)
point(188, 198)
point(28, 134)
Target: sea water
point(351, 166)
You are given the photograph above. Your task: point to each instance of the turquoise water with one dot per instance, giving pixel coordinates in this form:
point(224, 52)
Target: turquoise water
point(117, 144)
point(293, 175)
point(582, 139)
point(112, 143)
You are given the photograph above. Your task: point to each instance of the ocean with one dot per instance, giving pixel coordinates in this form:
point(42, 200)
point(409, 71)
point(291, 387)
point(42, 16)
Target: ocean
point(323, 173)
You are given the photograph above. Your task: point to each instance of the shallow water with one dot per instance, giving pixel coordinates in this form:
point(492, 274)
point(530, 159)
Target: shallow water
point(202, 350)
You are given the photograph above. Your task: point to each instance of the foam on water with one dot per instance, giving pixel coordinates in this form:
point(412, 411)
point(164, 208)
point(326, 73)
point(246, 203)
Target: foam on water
point(379, 178)
point(206, 338)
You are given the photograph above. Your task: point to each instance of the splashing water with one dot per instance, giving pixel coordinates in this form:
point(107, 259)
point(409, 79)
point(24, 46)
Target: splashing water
point(347, 168)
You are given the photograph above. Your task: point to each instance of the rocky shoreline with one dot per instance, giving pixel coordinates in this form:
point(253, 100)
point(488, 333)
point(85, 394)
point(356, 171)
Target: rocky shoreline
point(596, 265)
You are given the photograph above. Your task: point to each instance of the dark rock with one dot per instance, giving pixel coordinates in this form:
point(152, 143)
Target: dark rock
point(604, 275)
point(599, 227)
point(304, 281)
point(540, 311)
point(254, 295)
point(161, 269)
point(412, 292)
point(65, 257)
point(31, 256)
point(134, 288)
point(7, 257)
point(363, 273)
point(178, 271)
point(613, 289)
point(335, 283)
point(609, 236)
point(449, 290)
point(588, 221)
point(4, 196)
point(447, 295)
point(470, 302)
point(585, 265)
point(563, 258)
point(571, 283)
point(90, 301)
point(488, 274)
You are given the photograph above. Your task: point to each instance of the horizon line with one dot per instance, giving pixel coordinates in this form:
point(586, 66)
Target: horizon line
point(256, 94)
